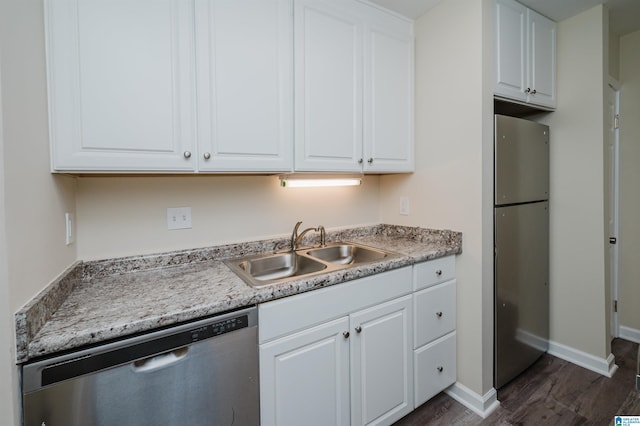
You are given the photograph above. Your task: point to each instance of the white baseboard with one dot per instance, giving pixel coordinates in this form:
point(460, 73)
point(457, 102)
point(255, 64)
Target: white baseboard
point(482, 405)
point(532, 340)
point(631, 334)
point(606, 367)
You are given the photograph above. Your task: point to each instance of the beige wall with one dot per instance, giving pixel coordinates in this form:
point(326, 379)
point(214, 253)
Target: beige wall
point(577, 272)
point(451, 187)
point(614, 55)
point(128, 215)
point(629, 278)
point(34, 201)
point(9, 406)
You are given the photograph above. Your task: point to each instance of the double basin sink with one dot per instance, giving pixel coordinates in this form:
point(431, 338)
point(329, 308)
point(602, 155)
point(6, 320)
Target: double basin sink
point(273, 268)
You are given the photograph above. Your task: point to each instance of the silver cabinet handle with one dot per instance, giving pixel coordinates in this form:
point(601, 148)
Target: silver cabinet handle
point(370, 161)
point(439, 272)
point(206, 155)
point(187, 154)
point(439, 314)
point(346, 334)
point(358, 329)
point(440, 369)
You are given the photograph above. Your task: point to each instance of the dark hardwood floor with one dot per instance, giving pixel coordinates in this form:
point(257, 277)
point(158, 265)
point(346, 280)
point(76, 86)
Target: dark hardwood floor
point(550, 392)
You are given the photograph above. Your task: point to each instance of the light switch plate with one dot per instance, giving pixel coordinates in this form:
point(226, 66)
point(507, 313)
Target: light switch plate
point(69, 228)
point(404, 206)
point(178, 218)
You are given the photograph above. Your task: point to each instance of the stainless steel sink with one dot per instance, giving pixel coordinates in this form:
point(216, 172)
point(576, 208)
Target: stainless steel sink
point(281, 265)
point(347, 254)
point(274, 268)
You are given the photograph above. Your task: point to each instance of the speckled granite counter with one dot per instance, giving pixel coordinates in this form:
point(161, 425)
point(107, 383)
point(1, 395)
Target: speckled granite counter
point(98, 301)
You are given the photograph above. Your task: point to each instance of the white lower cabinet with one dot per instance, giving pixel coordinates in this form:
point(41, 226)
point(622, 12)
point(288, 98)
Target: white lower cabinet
point(434, 308)
point(435, 368)
point(364, 352)
point(304, 378)
point(339, 355)
point(381, 363)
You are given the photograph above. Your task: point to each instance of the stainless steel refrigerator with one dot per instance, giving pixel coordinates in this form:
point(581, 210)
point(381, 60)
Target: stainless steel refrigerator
point(521, 241)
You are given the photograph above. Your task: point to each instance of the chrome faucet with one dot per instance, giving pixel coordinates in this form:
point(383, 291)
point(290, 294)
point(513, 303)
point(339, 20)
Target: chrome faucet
point(296, 238)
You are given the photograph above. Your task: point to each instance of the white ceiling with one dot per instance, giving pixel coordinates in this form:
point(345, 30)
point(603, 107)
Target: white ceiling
point(624, 14)
point(411, 8)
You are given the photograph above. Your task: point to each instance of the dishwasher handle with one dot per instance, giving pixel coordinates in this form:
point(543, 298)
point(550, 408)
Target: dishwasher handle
point(156, 362)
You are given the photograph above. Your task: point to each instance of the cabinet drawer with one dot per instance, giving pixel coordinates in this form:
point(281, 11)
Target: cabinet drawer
point(434, 312)
point(433, 272)
point(434, 368)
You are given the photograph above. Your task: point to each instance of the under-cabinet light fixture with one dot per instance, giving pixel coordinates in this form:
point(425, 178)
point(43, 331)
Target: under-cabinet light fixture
point(311, 181)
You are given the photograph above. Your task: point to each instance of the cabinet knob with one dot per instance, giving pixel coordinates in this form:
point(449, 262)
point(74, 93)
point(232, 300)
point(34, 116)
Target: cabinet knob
point(346, 334)
point(358, 329)
point(534, 91)
point(370, 161)
point(440, 369)
point(187, 154)
point(360, 161)
point(439, 314)
point(206, 155)
point(528, 90)
point(439, 272)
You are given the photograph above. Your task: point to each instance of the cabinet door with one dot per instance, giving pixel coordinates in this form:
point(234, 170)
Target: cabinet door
point(245, 88)
point(542, 48)
point(388, 93)
point(382, 363)
point(510, 50)
point(304, 377)
point(121, 89)
point(328, 86)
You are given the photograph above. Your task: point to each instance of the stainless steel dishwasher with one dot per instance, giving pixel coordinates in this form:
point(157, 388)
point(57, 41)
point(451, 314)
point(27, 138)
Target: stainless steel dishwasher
point(199, 373)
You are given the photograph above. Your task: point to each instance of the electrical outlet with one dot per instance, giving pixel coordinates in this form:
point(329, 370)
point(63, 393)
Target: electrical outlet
point(179, 218)
point(404, 206)
point(69, 228)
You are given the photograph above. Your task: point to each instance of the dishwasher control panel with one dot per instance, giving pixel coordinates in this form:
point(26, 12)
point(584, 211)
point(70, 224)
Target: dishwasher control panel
point(220, 327)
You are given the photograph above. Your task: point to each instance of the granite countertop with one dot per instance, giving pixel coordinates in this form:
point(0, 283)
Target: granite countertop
point(98, 301)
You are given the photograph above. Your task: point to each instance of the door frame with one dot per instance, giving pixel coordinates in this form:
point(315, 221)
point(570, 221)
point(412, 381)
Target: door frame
point(614, 198)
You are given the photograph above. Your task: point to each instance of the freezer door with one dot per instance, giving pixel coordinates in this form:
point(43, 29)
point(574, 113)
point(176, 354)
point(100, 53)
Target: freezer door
point(521, 160)
point(522, 288)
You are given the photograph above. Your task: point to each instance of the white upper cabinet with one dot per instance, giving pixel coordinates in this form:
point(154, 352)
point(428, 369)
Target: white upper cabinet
point(172, 86)
point(244, 74)
point(121, 86)
point(525, 55)
point(328, 86)
point(511, 50)
point(354, 88)
point(151, 86)
point(388, 94)
point(542, 71)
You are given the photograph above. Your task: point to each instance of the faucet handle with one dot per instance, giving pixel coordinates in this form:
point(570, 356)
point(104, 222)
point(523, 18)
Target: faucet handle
point(323, 235)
